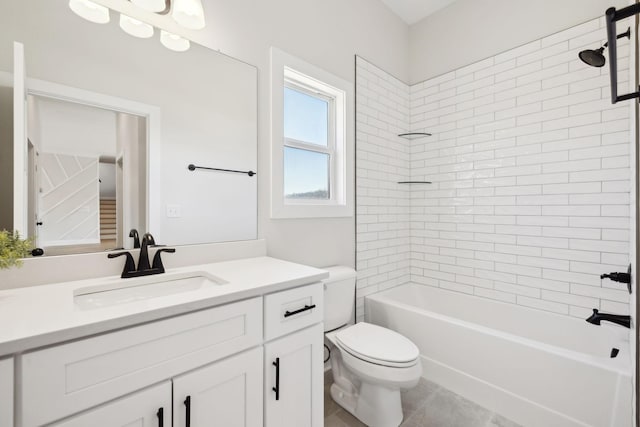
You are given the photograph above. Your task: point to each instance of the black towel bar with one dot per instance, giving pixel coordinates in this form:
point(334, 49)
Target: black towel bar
point(193, 167)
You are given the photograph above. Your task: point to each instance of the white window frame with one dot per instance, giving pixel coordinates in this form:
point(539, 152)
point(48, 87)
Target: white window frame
point(289, 71)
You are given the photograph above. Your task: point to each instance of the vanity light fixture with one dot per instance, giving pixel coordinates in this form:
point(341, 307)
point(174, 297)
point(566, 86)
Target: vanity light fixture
point(90, 11)
point(188, 13)
point(156, 6)
point(135, 28)
point(174, 41)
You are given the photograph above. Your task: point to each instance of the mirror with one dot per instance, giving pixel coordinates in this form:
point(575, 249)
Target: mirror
point(111, 125)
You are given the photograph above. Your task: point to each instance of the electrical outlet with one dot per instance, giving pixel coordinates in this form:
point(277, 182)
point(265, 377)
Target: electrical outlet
point(174, 211)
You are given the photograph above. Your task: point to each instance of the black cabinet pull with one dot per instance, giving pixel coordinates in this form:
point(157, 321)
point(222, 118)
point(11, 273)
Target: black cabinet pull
point(300, 310)
point(160, 415)
point(277, 387)
point(187, 404)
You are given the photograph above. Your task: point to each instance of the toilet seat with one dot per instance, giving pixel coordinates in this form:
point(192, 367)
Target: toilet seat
point(378, 345)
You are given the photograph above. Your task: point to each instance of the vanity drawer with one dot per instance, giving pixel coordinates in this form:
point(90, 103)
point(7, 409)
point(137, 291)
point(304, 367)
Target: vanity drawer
point(291, 310)
point(66, 379)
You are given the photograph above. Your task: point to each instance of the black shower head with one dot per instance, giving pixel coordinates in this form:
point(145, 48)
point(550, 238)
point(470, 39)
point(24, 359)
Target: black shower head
point(595, 58)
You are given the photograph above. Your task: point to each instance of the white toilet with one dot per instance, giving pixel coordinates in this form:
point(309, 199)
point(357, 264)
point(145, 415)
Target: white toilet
point(370, 363)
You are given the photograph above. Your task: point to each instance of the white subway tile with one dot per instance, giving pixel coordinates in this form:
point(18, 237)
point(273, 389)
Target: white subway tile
point(543, 305)
point(544, 242)
point(571, 166)
point(572, 210)
point(577, 300)
point(589, 187)
point(520, 270)
point(599, 245)
point(495, 294)
point(517, 289)
point(571, 255)
point(552, 178)
point(621, 295)
point(452, 286)
point(620, 235)
point(578, 233)
point(546, 283)
point(599, 222)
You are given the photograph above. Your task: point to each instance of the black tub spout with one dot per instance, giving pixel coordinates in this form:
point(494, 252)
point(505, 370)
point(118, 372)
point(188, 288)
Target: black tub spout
point(618, 319)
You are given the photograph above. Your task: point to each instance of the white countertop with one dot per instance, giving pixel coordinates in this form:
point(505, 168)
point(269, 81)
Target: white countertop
point(43, 315)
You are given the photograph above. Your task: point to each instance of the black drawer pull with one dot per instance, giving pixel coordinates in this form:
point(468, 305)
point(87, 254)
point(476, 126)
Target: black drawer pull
point(277, 387)
point(300, 310)
point(187, 404)
point(160, 415)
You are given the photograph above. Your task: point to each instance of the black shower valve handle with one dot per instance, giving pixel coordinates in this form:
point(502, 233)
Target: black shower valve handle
point(617, 277)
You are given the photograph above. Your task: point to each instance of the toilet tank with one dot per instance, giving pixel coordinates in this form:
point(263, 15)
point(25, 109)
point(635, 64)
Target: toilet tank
point(339, 297)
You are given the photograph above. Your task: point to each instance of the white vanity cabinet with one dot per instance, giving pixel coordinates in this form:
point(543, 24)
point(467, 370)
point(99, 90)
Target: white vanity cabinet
point(293, 360)
point(69, 378)
point(201, 368)
point(227, 393)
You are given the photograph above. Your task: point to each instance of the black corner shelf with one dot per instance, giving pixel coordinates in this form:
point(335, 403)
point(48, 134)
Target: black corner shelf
point(414, 182)
point(414, 135)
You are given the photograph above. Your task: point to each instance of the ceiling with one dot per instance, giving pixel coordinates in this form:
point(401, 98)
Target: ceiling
point(412, 11)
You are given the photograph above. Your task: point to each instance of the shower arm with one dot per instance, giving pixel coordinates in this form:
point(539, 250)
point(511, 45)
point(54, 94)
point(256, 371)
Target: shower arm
point(626, 34)
point(612, 16)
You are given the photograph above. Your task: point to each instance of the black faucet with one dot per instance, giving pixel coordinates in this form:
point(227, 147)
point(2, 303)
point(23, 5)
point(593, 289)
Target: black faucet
point(144, 269)
point(143, 260)
point(618, 319)
point(136, 238)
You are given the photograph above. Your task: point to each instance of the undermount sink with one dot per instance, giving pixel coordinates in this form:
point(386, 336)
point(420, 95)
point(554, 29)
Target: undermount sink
point(122, 291)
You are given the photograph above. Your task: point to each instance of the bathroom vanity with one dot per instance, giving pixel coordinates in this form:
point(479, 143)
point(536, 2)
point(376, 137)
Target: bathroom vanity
point(236, 343)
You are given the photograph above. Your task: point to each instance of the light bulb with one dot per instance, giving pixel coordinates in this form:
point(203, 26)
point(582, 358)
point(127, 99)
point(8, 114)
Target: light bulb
point(135, 28)
point(90, 11)
point(151, 5)
point(188, 13)
point(174, 41)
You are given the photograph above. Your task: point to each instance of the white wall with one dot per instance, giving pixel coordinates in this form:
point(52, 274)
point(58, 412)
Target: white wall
point(324, 33)
point(470, 30)
point(327, 34)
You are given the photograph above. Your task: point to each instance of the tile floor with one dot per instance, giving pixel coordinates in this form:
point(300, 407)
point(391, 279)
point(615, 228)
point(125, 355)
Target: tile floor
point(427, 405)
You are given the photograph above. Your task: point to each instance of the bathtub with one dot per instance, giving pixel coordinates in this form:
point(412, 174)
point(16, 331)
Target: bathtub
point(534, 367)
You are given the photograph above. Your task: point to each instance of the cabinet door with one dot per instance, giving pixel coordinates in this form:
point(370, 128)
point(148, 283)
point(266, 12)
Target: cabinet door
point(146, 408)
point(6, 392)
point(227, 393)
point(294, 379)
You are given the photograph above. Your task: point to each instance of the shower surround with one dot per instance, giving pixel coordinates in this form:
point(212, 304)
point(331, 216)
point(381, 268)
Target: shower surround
point(531, 174)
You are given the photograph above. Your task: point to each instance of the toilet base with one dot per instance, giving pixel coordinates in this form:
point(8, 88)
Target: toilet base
point(374, 405)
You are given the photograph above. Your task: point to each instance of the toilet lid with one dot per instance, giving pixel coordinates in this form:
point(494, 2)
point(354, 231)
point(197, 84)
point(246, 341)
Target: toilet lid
point(377, 344)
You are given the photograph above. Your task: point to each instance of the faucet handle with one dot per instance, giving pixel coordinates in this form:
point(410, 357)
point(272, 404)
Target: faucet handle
point(157, 258)
point(129, 264)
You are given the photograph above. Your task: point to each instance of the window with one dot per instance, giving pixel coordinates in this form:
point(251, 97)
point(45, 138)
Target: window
point(312, 141)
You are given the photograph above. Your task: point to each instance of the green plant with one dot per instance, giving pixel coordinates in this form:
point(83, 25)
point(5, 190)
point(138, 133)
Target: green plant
point(13, 249)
